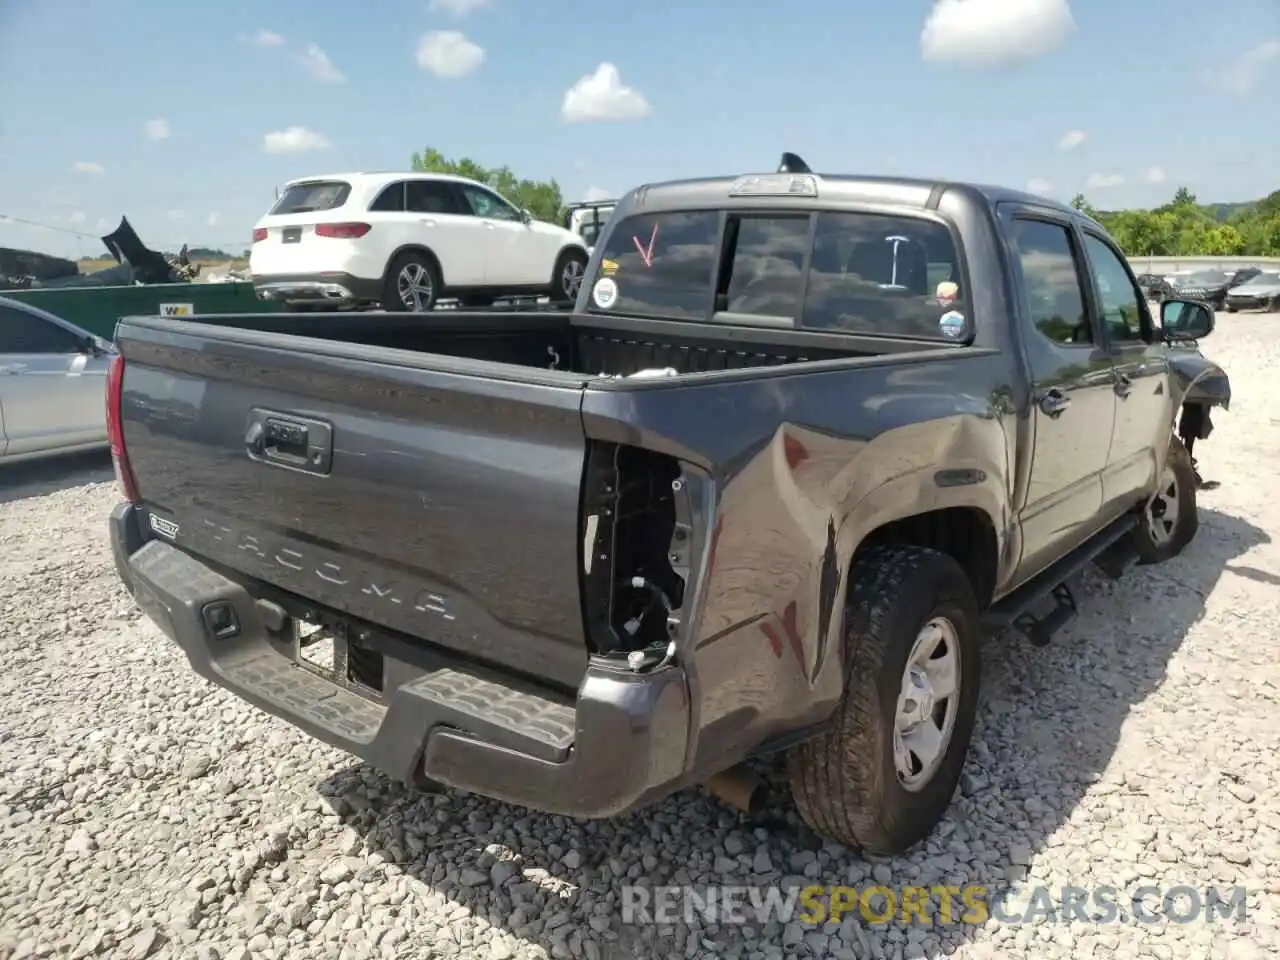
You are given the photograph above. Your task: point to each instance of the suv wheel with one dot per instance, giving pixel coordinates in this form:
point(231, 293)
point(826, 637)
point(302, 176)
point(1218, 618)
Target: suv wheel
point(883, 775)
point(1170, 518)
point(412, 284)
point(568, 276)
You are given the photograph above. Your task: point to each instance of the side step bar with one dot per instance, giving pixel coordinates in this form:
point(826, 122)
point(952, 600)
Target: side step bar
point(1112, 552)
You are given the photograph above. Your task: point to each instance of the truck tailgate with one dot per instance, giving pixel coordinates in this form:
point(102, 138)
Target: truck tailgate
point(431, 496)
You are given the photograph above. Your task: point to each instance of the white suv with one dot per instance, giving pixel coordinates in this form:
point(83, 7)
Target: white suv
point(404, 241)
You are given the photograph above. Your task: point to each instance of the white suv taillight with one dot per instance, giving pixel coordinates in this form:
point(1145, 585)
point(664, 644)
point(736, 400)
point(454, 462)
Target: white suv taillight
point(342, 231)
point(115, 430)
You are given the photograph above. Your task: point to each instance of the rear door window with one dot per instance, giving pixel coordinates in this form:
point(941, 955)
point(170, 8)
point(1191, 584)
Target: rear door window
point(21, 332)
point(432, 196)
point(390, 200)
point(660, 265)
point(312, 197)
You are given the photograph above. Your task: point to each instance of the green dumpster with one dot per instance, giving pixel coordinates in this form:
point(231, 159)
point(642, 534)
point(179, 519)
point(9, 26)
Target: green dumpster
point(97, 309)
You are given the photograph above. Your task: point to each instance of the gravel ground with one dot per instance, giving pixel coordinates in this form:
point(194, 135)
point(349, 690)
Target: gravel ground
point(145, 813)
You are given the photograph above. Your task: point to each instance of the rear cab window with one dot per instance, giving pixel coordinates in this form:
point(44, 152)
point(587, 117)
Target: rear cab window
point(313, 196)
point(832, 271)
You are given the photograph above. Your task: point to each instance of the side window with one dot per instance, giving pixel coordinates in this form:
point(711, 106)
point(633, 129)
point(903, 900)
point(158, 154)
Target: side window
point(430, 196)
point(765, 275)
point(485, 203)
point(659, 265)
point(885, 275)
point(1122, 302)
point(390, 200)
point(22, 332)
point(1052, 294)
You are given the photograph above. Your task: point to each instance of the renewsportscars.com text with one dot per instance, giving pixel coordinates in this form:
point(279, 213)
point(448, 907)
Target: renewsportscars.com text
point(973, 904)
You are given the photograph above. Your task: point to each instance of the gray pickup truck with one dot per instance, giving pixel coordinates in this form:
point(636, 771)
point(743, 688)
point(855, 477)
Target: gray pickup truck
point(801, 442)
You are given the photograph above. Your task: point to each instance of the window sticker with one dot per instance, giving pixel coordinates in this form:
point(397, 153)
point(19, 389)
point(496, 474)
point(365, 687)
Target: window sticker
point(952, 324)
point(605, 293)
point(946, 293)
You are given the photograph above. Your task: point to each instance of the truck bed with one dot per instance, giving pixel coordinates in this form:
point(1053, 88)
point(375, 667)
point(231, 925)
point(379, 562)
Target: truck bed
point(556, 340)
point(440, 477)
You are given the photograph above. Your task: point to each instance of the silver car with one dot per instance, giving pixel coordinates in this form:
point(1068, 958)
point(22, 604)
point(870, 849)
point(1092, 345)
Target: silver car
point(1260, 293)
point(53, 379)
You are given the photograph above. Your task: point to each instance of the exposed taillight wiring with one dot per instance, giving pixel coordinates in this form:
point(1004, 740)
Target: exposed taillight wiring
point(115, 430)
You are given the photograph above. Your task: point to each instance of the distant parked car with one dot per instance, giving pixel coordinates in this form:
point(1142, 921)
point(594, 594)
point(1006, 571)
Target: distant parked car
point(1262, 292)
point(53, 381)
point(405, 240)
point(1211, 286)
point(1155, 287)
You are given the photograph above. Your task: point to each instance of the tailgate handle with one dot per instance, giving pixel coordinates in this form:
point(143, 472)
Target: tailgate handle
point(289, 441)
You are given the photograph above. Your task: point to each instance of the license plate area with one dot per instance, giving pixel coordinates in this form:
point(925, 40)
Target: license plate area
point(291, 234)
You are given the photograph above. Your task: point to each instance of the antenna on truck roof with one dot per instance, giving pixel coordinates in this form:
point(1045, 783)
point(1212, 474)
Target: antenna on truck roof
point(791, 163)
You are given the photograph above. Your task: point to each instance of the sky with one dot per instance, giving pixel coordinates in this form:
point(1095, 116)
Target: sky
point(186, 119)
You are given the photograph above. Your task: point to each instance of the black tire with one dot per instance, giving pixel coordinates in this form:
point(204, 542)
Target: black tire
point(1170, 519)
point(845, 782)
point(562, 291)
point(423, 293)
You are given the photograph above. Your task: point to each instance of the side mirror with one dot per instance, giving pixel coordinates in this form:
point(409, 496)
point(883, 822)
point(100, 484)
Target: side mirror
point(1186, 319)
point(525, 216)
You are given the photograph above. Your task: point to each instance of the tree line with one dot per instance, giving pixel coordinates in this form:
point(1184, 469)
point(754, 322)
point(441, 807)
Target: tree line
point(1185, 228)
point(1181, 227)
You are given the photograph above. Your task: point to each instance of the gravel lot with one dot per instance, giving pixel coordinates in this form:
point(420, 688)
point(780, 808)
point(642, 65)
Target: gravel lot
point(145, 813)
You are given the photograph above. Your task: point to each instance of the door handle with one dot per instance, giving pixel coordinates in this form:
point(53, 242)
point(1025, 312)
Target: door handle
point(426, 222)
point(1053, 402)
point(489, 226)
point(13, 368)
point(1124, 386)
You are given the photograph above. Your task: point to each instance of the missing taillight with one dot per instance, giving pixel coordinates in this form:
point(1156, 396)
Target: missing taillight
point(342, 231)
point(632, 590)
point(115, 430)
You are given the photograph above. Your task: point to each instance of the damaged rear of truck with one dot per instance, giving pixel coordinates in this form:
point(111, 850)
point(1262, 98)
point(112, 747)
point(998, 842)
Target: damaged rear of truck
point(580, 560)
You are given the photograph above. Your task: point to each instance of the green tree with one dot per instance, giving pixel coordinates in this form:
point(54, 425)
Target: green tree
point(1183, 227)
point(542, 198)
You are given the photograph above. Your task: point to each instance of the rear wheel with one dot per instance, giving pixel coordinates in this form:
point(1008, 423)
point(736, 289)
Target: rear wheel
point(412, 284)
point(1170, 518)
point(883, 775)
point(567, 280)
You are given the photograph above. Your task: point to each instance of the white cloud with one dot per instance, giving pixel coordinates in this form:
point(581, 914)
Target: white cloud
point(459, 8)
point(214, 218)
point(1102, 181)
point(177, 215)
point(76, 217)
point(1072, 140)
point(986, 33)
point(1154, 175)
point(157, 129)
point(1242, 76)
point(88, 166)
point(597, 193)
point(294, 140)
point(1038, 186)
point(449, 54)
point(603, 96)
point(317, 63)
point(266, 38)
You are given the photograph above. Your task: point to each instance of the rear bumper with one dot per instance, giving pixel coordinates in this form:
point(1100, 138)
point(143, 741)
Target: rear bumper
point(621, 745)
point(340, 288)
